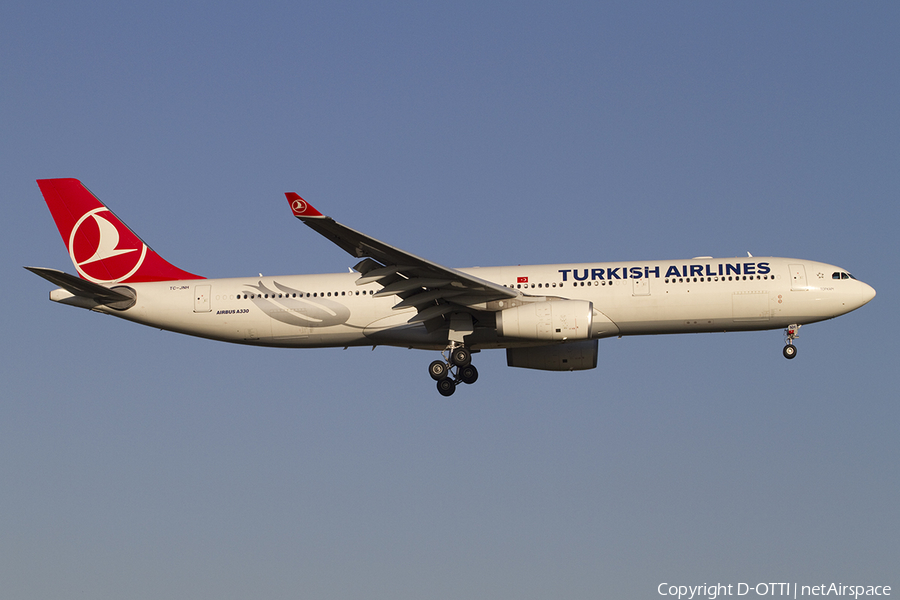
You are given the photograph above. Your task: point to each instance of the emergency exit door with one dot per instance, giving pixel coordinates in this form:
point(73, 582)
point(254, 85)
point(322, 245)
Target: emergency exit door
point(798, 278)
point(201, 298)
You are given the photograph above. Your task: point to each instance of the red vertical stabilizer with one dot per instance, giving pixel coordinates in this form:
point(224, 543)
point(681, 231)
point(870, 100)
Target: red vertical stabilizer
point(102, 248)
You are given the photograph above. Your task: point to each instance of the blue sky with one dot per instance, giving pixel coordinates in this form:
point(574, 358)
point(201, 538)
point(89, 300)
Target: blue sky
point(143, 464)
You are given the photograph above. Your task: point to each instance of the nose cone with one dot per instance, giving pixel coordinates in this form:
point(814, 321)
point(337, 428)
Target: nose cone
point(866, 293)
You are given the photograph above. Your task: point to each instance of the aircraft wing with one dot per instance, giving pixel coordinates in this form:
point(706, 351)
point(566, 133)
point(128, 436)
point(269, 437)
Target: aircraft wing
point(434, 290)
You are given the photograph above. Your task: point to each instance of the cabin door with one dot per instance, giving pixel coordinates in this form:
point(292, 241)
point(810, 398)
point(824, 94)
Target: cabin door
point(201, 298)
point(798, 278)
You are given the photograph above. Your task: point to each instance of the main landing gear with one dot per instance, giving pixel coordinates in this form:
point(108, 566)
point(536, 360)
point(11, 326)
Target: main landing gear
point(449, 373)
point(790, 350)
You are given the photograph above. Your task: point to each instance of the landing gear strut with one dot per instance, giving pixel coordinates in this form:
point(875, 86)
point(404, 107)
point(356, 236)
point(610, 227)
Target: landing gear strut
point(458, 369)
point(790, 350)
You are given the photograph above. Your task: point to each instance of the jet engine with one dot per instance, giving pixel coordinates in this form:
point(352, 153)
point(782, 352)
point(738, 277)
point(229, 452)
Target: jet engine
point(550, 320)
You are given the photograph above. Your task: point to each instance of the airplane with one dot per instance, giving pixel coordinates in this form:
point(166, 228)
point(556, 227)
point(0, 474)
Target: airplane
point(547, 317)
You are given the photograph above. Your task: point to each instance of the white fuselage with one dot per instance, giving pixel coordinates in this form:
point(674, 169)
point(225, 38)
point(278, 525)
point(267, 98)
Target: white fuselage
point(629, 298)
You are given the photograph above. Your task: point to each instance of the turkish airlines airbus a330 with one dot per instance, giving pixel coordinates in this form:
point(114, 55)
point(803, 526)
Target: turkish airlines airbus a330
point(545, 316)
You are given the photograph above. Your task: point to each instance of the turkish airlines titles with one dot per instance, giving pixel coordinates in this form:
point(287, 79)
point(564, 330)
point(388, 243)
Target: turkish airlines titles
point(701, 270)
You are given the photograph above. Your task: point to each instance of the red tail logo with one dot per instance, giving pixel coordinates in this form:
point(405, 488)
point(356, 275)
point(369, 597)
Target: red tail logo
point(102, 248)
point(103, 253)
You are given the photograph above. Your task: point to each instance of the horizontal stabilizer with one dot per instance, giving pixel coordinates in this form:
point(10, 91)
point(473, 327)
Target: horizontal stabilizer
point(86, 289)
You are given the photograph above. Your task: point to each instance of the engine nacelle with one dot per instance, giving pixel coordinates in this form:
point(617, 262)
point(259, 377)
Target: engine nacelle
point(571, 356)
point(550, 320)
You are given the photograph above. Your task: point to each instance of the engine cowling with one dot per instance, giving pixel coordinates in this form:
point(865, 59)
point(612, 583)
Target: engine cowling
point(570, 356)
point(550, 320)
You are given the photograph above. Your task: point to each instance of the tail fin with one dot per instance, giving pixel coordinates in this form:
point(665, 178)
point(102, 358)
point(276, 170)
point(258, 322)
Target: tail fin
point(102, 248)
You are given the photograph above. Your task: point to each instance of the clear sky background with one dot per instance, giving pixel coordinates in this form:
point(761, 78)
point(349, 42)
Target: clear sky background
point(136, 463)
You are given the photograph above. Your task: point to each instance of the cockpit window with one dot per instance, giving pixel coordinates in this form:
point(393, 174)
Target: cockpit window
point(836, 275)
point(842, 275)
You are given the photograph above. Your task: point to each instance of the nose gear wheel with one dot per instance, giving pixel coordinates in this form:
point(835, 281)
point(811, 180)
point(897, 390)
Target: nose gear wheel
point(791, 333)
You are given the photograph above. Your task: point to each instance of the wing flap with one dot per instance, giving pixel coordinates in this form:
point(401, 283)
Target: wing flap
point(426, 298)
point(438, 310)
point(380, 273)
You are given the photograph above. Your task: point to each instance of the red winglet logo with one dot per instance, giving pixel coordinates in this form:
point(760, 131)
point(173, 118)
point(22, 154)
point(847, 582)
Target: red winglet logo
point(300, 207)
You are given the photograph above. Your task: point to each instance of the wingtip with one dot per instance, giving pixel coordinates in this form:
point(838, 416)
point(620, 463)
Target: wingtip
point(300, 207)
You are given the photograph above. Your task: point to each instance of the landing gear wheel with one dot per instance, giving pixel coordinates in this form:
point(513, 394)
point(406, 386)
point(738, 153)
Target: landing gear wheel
point(468, 374)
point(790, 334)
point(460, 356)
point(438, 370)
point(446, 387)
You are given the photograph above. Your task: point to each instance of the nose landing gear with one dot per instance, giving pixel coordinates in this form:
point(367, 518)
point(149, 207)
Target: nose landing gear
point(790, 350)
point(458, 369)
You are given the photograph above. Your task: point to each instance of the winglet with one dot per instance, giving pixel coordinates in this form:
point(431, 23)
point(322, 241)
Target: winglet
point(301, 208)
